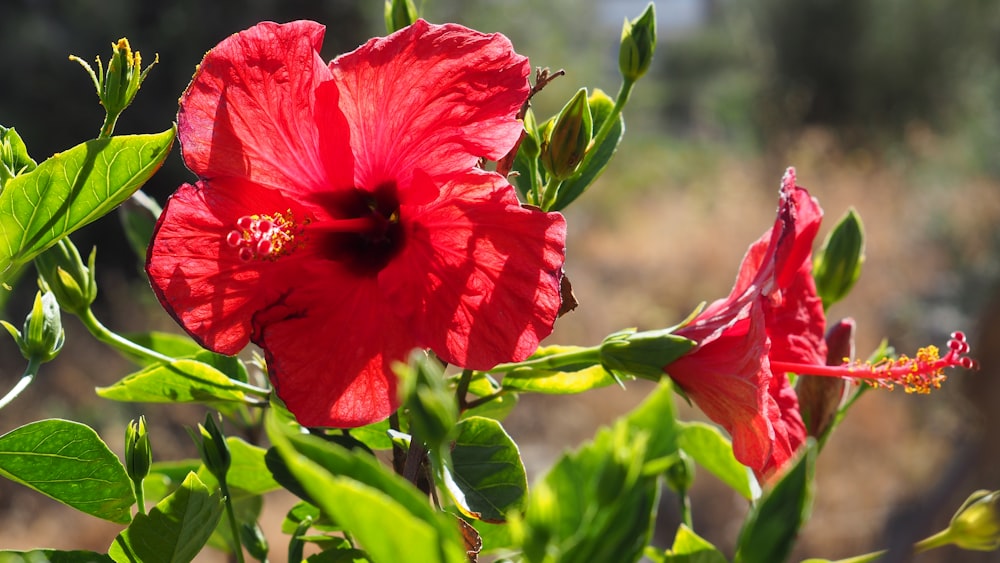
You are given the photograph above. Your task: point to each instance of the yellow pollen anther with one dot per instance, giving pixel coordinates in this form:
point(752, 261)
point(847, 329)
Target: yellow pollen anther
point(264, 237)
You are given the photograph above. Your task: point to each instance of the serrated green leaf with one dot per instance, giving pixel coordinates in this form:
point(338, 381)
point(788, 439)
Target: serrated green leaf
point(486, 478)
point(175, 530)
point(770, 529)
point(72, 189)
point(68, 462)
point(181, 381)
point(557, 382)
point(386, 515)
point(14, 159)
point(601, 106)
point(713, 451)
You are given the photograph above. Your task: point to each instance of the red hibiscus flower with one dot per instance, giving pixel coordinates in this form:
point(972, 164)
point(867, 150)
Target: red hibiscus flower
point(772, 324)
point(340, 219)
point(772, 313)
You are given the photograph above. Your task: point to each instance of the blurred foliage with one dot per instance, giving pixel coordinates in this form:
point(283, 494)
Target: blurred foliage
point(868, 70)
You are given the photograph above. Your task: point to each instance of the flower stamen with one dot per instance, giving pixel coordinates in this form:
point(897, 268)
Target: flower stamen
point(263, 237)
point(920, 374)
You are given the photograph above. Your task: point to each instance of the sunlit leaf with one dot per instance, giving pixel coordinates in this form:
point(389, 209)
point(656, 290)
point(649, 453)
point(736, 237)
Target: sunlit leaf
point(486, 478)
point(713, 451)
point(689, 547)
point(72, 189)
point(68, 462)
point(770, 529)
point(174, 531)
point(386, 515)
point(558, 382)
point(181, 381)
point(166, 343)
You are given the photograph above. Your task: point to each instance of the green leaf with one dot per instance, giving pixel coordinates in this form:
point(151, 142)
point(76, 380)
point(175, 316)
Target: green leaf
point(689, 547)
point(597, 504)
point(53, 556)
point(601, 106)
point(486, 478)
point(713, 451)
point(389, 517)
point(769, 532)
point(339, 555)
point(166, 343)
point(175, 530)
point(557, 382)
point(247, 471)
point(72, 189)
point(68, 462)
point(180, 381)
point(14, 159)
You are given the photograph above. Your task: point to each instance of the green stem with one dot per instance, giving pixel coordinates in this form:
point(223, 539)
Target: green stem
point(549, 194)
point(109, 125)
point(231, 516)
point(483, 400)
point(29, 375)
point(939, 539)
point(463, 388)
point(590, 356)
point(105, 335)
point(866, 558)
point(685, 506)
point(140, 496)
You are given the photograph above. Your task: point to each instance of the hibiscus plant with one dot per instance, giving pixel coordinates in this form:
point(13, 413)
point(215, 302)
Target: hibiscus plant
point(364, 267)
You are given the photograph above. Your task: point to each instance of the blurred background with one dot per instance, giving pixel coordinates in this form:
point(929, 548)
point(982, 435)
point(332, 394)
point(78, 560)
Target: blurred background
point(889, 106)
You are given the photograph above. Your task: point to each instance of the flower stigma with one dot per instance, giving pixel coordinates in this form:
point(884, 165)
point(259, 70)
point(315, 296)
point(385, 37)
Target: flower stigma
point(920, 374)
point(263, 237)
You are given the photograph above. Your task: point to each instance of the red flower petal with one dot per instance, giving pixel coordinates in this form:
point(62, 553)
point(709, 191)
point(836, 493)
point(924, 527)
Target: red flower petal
point(330, 352)
point(478, 280)
point(249, 112)
point(430, 97)
point(201, 281)
point(727, 377)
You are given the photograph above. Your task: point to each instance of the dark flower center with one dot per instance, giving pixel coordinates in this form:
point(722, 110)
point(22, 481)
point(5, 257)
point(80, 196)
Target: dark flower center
point(365, 232)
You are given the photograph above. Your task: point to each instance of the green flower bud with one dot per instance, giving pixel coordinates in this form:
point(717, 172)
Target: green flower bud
point(14, 159)
point(643, 354)
point(43, 334)
point(65, 275)
point(567, 143)
point(399, 14)
point(432, 408)
point(117, 87)
point(976, 525)
point(213, 448)
point(838, 264)
point(680, 474)
point(138, 455)
point(530, 145)
point(252, 537)
point(637, 45)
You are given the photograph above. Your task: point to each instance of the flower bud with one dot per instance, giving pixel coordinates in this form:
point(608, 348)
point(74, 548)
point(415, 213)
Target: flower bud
point(213, 448)
point(566, 144)
point(643, 354)
point(637, 45)
point(14, 159)
point(117, 87)
point(680, 475)
point(432, 408)
point(838, 264)
point(252, 537)
point(820, 397)
point(529, 142)
point(43, 334)
point(65, 275)
point(138, 455)
point(976, 525)
point(399, 14)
